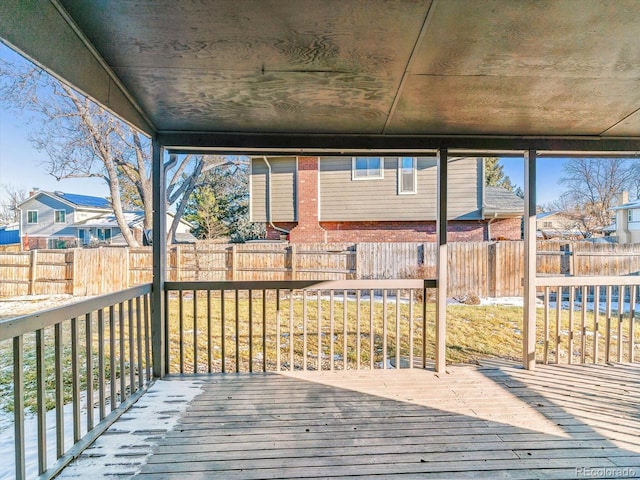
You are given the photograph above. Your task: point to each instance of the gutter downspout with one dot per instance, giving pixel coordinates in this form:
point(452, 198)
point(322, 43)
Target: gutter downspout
point(278, 229)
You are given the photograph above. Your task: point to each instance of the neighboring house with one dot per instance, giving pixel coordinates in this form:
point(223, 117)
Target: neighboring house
point(561, 225)
point(627, 223)
point(104, 229)
point(62, 220)
point(377, 199)
point(48, 219)
point(558, 225)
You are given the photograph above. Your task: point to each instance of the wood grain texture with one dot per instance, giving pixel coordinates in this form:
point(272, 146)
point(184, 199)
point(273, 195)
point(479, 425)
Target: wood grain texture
point(206, 100)
point(379, 67)
point(491, 421)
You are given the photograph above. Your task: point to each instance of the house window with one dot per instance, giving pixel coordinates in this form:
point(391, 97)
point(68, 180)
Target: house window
point(547, 224)
point(366, 168)
point(406, 175)
point(103, 234)
point(629, 216)
point(60, 216)
point(32, 216)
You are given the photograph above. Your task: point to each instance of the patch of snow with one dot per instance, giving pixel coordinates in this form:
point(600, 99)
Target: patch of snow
point(22, 305)
point(121, 451)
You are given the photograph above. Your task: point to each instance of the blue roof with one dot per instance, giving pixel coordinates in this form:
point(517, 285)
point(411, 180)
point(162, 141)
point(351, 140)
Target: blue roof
point(84, 200)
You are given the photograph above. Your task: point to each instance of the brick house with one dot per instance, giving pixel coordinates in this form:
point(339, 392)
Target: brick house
point(377, 199)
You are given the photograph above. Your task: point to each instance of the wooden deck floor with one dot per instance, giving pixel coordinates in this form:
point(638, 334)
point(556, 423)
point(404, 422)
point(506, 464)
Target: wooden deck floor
point(491, 421)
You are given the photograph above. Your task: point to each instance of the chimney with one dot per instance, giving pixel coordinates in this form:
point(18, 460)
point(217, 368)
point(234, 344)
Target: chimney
point(308, 228)
point(623, 197)
point(33, 191)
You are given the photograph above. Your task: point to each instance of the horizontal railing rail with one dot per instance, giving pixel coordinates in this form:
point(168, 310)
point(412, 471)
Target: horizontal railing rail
point(92, 360)
point(251, 326)
point(594, 319)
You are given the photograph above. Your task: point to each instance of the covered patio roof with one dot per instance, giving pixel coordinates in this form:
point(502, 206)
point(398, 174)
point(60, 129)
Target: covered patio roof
point(345, 76)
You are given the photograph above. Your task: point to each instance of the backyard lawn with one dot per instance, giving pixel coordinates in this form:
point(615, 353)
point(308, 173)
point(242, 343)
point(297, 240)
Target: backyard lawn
point(474, 332)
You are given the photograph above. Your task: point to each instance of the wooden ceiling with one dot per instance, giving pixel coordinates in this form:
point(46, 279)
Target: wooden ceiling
point(552, 70)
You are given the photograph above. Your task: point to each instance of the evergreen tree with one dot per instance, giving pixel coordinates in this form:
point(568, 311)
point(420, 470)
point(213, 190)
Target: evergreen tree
point(219, 205)
point(494, 174)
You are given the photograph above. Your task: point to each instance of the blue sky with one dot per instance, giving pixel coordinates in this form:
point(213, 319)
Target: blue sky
point(22, 166)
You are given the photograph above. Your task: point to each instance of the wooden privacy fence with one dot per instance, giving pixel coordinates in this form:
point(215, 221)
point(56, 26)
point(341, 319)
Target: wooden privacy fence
point(490, 269)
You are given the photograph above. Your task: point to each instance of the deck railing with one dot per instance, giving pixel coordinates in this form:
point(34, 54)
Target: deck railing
point(98, 351)
point(297, 325)
point(589, 319)
point(92, 356)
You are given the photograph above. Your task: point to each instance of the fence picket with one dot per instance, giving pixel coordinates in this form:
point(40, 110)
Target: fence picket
point(487, 269)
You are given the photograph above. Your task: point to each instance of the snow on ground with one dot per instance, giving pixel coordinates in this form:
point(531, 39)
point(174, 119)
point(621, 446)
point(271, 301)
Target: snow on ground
point(118, 453)
point(126, 445)
point(22, 305)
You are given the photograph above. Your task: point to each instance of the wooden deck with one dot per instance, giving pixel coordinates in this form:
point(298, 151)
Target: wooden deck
point(492, 421)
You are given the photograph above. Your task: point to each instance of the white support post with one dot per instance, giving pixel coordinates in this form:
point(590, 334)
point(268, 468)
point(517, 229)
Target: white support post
point(159, 263)
point(529, 283)
point(442, 264)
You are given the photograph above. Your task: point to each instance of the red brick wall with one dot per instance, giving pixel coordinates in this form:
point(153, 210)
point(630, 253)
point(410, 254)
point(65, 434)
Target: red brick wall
point(307, 230)
point(40, 243)
point(273, 234)
point(460, 231)
point(472, 231)
point(506, 229)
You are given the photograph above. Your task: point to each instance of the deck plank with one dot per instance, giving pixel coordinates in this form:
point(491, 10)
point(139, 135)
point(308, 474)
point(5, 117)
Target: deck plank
point(472, 422)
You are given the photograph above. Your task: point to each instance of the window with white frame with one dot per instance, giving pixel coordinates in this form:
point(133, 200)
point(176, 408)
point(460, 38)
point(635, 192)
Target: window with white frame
point(60, 216)
point(32, 216)
point(629, 216)
point(406, 175)
point(367, 168)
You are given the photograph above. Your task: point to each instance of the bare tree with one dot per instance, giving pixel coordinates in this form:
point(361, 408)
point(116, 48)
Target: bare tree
point(592, 185)
point(83, 140)
point(12, 197)
point(219, 206)
point(572, 220)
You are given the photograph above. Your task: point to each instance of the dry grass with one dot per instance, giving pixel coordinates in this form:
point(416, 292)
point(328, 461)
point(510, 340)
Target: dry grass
point(473, 333)
point(121, 349)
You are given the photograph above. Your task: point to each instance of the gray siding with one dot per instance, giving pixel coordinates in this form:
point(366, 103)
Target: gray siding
point(465, 181)
point(283, 193)
point(46, 206)
point(344, 199)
